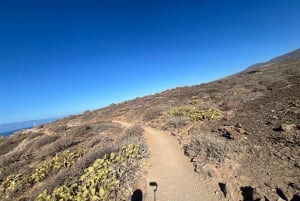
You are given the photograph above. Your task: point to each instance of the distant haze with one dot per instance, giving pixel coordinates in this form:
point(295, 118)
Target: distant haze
point(9, 128)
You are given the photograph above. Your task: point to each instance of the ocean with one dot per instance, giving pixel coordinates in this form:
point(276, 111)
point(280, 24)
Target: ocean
point(7, 133)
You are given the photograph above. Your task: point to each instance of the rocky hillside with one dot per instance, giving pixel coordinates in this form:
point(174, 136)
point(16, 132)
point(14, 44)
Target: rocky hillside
point(242, 133)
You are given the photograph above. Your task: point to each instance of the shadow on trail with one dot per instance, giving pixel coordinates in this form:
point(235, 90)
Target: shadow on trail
point(138, 194)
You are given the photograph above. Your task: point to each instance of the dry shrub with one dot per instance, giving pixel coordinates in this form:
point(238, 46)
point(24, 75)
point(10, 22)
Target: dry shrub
point(80, 131)
point(99, 139)
point(64, 176)
point(57, 146)
point(207, 145)
point(88, 115)
point(18, 166)
point(176, 122)
point(153, 113)
point(103, 126)
point(9, 143)
point(61, 129)
point(208, 104)
point(10, 158)
point(245, 97)
point(133, 134)
point(46, 139)
point(34, 135)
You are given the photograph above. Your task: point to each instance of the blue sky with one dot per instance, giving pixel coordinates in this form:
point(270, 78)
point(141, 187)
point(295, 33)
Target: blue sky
point(63, 57)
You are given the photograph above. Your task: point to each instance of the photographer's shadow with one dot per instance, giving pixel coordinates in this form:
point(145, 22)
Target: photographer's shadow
point(137, 195)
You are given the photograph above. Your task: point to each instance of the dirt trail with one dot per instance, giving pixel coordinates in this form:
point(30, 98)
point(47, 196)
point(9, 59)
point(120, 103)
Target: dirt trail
point(172, 171)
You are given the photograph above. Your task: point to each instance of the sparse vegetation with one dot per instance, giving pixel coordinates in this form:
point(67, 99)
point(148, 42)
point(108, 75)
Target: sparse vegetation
point(10, 158)
point(9, 143)
point(61, 160)
point(153, 113)
point(207, 145)
point(10, 184)
point(195, 100)
point(103, 126)
point(34, 135)
point(80, 131)
point(176, 122)
point(60, 145)
point(193, 113)
point(133, 132)
point(17, 181)
point(45, 139)
point(99, 181)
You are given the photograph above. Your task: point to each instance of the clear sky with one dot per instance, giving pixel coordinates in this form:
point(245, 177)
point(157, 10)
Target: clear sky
point(62, 57)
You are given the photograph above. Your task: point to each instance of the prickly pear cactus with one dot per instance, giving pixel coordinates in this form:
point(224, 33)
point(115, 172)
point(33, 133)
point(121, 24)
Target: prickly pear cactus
point(194, 113)
point(98, 182)
point(60, 160)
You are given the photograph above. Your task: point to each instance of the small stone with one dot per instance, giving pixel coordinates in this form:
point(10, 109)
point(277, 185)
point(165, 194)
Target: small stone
point(257, 195)
point(297, 164)
point(228, 135)
point(239, 125)
point(286, 127)
point(210, 171)
point(197, 167)
point(241, 130)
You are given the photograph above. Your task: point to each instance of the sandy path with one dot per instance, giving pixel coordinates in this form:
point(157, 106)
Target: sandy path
point(172, 171)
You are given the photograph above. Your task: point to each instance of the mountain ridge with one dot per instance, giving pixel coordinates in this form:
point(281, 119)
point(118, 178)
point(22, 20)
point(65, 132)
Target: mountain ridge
point(282, 58)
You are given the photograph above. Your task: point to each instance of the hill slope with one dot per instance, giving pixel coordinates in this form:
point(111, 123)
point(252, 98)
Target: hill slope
point(241, 134)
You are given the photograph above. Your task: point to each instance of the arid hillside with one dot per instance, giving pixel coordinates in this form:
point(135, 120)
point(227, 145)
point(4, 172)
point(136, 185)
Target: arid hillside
point(240, 135)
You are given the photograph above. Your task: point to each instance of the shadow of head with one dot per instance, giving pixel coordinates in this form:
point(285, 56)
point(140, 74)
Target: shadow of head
point(137, 195)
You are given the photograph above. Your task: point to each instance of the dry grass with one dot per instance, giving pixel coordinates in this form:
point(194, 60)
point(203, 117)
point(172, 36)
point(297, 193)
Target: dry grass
point(9, 143)
point(33, 135)
point(176, 123)
point(59, 129)
point(80, 131)
point(133, 134)
point(207, 145)
point(103, 126)
point(42, 141)
point(153, 113)
point(10, 158)
point(59, 145)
